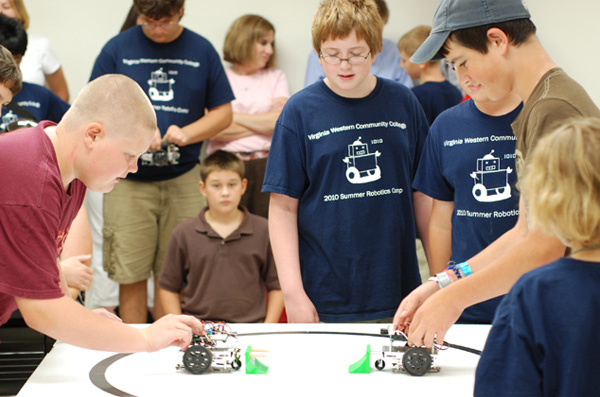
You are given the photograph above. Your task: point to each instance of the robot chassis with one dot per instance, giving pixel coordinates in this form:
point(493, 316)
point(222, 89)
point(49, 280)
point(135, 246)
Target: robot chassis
point(214, 351)
point(417, 361)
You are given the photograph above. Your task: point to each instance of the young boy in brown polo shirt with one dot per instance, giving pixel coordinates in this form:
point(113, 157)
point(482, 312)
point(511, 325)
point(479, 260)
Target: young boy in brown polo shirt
point(219, 265)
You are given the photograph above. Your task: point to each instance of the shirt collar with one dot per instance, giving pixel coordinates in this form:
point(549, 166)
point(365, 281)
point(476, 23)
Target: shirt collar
point(246, 227)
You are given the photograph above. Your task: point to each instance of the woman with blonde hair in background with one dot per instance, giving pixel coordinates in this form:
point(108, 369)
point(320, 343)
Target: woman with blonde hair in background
point(260, 92)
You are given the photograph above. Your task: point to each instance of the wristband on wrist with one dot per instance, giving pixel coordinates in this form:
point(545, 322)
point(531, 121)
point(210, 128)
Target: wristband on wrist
point(434, 279)
point(450, 274)
point(464, 268)
point(443, 279)
point(456, 271)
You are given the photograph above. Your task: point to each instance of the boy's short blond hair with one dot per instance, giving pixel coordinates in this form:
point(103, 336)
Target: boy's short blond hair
point(221, 160)
point(336, 19)
point(117, 102)
point(561, 182)
point(412, 40)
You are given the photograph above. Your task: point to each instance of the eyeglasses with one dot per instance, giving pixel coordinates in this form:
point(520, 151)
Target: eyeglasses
point(153, 24)
point(353, 60)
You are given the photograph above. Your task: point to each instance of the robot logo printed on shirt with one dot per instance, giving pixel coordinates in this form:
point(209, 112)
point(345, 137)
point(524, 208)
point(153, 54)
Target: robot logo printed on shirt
point(9, 121)
point(9, 117)
point(361, 166)
point(161, 87)
point(491, 182)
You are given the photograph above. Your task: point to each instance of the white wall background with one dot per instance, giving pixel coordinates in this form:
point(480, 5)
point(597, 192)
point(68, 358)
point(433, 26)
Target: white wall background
point(79, 28)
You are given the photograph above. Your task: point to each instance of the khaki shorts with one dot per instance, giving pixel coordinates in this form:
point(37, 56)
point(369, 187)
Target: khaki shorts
point(139, 218)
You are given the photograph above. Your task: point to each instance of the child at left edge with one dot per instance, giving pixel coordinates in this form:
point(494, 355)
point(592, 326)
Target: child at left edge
point(219, 265)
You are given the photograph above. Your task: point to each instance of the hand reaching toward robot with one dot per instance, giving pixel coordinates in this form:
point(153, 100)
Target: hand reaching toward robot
point(431, 321)
point(172, 330)
point(429, 314)
point(412, 302)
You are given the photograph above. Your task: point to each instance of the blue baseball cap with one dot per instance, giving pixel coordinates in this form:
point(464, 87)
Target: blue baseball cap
point(453, 15)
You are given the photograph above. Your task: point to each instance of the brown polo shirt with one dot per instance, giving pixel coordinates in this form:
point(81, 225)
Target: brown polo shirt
point(219, 278)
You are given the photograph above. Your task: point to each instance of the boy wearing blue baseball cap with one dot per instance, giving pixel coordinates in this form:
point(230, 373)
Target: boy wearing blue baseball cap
point(492, 44)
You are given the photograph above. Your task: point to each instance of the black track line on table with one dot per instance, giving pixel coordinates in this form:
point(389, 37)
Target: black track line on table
point(450, 345)
point(98, 375)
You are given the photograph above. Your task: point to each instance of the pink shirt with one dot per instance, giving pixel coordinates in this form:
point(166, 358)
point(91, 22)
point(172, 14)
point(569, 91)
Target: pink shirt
point(35, 217)
point(254, 94)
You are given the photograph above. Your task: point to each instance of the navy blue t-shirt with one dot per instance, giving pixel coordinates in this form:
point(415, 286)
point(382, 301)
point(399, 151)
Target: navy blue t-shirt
point(350, 162)
point(182, 79)
point(435, 97)
point(469, 158)
point(543, 336)
point(42, 103)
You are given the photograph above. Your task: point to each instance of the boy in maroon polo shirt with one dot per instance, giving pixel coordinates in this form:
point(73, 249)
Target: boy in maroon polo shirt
point(45, 173)
point(219, 265)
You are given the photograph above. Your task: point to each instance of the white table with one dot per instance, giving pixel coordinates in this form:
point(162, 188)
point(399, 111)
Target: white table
point(299, 364)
